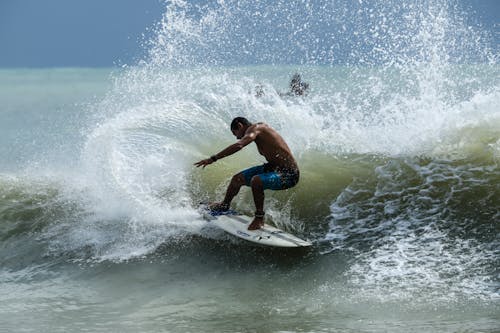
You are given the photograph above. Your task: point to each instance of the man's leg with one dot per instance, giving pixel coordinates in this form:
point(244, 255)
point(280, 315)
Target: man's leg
point(234, 187)
point(236, 183)
point(258, 198)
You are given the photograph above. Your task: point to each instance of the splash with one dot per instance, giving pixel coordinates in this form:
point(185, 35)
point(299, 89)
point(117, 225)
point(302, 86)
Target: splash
point(387, 33)
point(388, 79)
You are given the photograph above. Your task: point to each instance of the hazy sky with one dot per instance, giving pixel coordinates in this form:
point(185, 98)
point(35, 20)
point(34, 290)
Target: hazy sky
point(96, 33)
point(48, 33)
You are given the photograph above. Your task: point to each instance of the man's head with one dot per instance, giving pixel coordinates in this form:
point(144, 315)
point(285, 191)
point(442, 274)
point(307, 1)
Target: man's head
point(239, 126)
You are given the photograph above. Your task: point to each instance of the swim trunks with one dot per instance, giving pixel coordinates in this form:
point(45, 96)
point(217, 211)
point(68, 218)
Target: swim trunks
point(273, 178)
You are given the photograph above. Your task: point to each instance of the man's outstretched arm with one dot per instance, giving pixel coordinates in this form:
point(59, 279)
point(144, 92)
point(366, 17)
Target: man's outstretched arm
point(249, 137)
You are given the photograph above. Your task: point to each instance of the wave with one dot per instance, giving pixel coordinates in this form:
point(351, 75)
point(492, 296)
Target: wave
point(398, 146)
point(407, 215)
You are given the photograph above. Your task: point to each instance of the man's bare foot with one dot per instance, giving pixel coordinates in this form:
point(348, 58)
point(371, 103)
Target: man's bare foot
point(218, 207)
point(258, 222)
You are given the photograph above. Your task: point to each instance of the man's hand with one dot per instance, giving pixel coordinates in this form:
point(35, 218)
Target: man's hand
point(204, 162)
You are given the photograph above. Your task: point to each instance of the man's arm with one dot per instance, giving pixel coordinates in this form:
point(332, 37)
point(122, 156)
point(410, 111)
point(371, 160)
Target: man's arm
point(248, 138)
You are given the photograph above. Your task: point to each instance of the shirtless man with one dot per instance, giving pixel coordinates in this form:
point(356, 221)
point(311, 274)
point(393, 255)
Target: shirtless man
point(279, 173)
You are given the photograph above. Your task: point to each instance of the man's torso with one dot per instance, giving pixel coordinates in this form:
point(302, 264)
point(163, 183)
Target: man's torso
point(274, 148)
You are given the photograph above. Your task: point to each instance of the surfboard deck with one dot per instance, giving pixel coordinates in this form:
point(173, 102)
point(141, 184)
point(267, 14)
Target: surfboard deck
point(237, 225)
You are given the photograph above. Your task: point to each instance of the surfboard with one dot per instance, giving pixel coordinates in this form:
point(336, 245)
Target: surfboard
point(237, 225)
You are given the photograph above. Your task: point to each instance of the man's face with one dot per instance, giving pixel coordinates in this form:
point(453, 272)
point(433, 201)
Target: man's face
point(239, 131)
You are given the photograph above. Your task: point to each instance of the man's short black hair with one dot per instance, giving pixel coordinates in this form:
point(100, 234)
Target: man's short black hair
point(241, 120)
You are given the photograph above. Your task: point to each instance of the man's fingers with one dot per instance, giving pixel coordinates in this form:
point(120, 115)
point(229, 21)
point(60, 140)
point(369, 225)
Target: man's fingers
point(202, 163)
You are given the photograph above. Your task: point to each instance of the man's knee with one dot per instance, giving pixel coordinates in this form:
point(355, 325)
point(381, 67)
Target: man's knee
point(238, 179)
point(256, 182)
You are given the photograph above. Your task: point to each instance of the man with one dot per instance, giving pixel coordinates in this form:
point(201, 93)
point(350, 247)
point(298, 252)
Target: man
point(279, 173)
point(297, 87)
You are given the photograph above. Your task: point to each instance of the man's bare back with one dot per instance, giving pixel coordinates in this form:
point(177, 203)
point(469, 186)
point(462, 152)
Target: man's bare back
point(272, 146)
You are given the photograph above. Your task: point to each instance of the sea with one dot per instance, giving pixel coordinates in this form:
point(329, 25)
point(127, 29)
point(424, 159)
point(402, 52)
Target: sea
point(398, 148)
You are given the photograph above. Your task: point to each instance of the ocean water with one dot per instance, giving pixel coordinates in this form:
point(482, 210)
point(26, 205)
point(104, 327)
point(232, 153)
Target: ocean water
point(399, 151)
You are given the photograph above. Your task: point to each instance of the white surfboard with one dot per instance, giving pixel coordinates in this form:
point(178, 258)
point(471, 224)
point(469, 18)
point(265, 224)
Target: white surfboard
point(237, 225)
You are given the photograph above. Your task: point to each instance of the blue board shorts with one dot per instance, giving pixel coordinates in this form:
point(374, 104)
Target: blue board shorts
point(272, 178)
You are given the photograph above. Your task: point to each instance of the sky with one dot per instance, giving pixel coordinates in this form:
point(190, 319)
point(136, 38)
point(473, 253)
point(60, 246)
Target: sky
point(104, 33)
point(74, 33)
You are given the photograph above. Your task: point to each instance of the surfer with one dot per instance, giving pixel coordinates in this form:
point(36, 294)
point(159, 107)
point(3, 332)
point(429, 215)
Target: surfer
point(297, 87)
point(279, 173)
